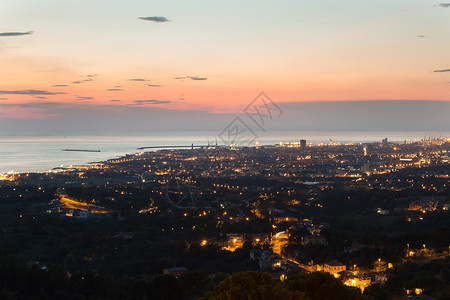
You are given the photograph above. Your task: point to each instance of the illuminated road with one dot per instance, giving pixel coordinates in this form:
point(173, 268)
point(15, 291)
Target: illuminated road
point(78, 205)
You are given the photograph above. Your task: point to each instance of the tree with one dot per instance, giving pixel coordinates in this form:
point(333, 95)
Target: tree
point(195, 283)
point(252, 285)
point(321, 286)
point(165, 287)
point(243, 285)
point(260, 286)
point(70, 263)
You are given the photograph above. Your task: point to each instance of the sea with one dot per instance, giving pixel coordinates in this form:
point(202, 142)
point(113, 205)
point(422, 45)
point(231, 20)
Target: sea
point(21, 154)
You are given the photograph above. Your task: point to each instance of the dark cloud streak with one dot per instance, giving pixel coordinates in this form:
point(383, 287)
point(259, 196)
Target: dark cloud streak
point(30, 92)
point(155, 19)
point(192, 77)
point(441, 71)
point(198, 78)
point(34, 104)
point(137, 79)
point(16, 33)
point(152, 101)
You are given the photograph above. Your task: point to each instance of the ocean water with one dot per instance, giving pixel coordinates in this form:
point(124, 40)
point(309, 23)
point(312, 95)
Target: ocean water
point(42, 153)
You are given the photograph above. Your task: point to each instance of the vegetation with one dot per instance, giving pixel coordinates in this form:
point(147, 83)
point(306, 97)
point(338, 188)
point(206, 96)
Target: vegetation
point(21, 281)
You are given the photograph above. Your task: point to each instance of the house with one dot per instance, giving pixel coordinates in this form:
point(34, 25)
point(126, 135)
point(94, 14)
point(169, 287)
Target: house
point(382, 278)
point(268, 259)
point(416, 205)
point(259, 238)
point(420, 260)
point(333, 267)
point(284, 219)
point(426, 203)
point(176, 272)
point(234, 241)
point(314, 240)
point(355, 279)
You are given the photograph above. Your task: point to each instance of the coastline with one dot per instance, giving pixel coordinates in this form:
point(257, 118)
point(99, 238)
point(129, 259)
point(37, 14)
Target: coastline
point(20, 154)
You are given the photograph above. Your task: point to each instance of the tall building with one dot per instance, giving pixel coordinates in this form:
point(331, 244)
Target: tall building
point(303, 143)
point(384, 142)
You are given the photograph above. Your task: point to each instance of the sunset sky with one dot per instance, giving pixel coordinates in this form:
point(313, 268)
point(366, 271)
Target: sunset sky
point(216, 56)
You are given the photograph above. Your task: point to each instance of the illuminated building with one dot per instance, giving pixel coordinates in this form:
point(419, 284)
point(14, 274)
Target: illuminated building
point(333, 267)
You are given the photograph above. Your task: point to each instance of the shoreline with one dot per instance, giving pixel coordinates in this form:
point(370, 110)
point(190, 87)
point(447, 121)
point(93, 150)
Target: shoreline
point(41, 154)
point(156, 148)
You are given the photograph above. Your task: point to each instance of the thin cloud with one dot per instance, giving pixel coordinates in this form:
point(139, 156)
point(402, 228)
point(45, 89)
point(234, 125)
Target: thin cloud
point(115, 90)
point(92, 75)
point(155, 19)
point(40, 97)
point(152, 101)
point(30, 92)
point(421, 36)
point(444, 5)
point(34, 104)
point(154, 85)
point(3, 98)
point(191, 77)
point(89, 79)
point(114, 100)
point(16, 33)
point(84, 98)
point(442, 71)
point(137, 79)
point(76, 82)
point(117, 86)
point(198, 78)
point(60, 85)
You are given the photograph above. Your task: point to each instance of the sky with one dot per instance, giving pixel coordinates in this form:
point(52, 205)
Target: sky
point(63, 60)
